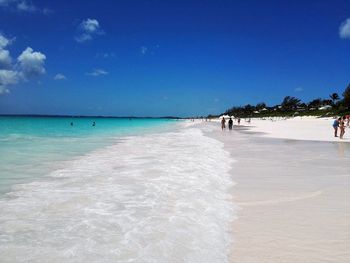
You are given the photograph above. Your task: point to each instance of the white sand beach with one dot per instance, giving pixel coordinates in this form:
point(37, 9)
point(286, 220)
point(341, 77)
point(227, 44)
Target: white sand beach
point(181, 192)
point(293, 195)
point(298, 128)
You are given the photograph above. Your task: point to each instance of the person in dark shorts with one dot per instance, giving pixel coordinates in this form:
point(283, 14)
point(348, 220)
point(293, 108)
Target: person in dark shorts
point(230, 124)
point(335, 126)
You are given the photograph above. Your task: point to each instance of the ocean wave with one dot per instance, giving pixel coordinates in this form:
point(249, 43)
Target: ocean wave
point(154, 198)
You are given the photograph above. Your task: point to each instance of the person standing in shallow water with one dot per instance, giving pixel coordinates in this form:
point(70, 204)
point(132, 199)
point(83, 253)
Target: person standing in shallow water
point(335, 127)
point(230, 124)
point(223, 122)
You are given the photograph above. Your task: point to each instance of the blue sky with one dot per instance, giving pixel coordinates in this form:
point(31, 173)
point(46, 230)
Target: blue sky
point(162, 57)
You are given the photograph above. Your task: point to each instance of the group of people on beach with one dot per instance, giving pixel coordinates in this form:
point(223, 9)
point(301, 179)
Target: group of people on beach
point(340, 123)
point(230, 123)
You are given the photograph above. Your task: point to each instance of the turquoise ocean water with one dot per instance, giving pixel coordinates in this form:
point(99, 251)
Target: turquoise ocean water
point(31, 147)
point(140, 190)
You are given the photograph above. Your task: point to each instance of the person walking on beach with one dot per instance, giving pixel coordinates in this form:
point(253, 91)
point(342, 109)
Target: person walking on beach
point(239, 120)
point(335, 127)
point(223, 122)
point(342, 127)
point(230, 123)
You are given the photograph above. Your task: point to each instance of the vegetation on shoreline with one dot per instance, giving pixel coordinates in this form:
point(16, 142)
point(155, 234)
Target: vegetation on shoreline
point(292, 106)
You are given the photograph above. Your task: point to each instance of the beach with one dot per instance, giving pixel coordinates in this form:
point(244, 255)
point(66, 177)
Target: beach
point(297, 128)
point(160, 191)
point(113, 145)
point(292, 194)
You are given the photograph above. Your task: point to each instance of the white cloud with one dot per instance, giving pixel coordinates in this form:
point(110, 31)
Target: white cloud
point(143, 50)
point(105, 55)
point(25, 6)
point(88, 29)
point(19, 5)
point(60, 76)
point(151, 50)
point(97, 72)
point(31, 63)
point(4, 41)
point(298, 89)
point(83, 37)
point(344, 29)
point(90, 25)
point(4, 90)
point(7, 77)
point(5, 59)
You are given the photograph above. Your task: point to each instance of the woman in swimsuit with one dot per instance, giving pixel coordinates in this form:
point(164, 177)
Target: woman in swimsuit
point(223, 122)
point(342, 127)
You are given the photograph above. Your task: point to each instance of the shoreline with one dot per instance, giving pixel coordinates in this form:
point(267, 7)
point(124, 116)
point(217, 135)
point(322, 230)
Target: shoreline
point(291, 196)
point(160, 196)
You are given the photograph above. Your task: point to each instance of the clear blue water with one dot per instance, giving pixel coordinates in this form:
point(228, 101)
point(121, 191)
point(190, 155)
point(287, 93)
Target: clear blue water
point(122, 191)
point(31, 147)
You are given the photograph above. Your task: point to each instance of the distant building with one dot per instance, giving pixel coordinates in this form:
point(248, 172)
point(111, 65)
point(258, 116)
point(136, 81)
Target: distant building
point(326, 107)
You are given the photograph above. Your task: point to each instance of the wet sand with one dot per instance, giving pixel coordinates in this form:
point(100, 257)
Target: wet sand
point(293, 198)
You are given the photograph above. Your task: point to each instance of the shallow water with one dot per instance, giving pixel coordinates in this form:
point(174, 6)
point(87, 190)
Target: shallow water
point(31, 147)
point(154, 197)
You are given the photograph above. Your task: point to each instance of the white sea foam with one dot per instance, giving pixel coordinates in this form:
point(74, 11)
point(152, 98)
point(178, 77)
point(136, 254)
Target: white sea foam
point(153, 198)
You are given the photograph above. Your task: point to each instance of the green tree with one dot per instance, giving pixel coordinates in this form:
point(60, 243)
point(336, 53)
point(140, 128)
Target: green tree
point(346, 95)
point(315, 103)
point(260, 106)
point(248, 110)
point(327, 102)
point(334, 97)
point(290, 103)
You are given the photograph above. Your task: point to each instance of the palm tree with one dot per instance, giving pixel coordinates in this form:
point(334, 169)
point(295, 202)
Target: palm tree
point(334, 97)
point(290, 103)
